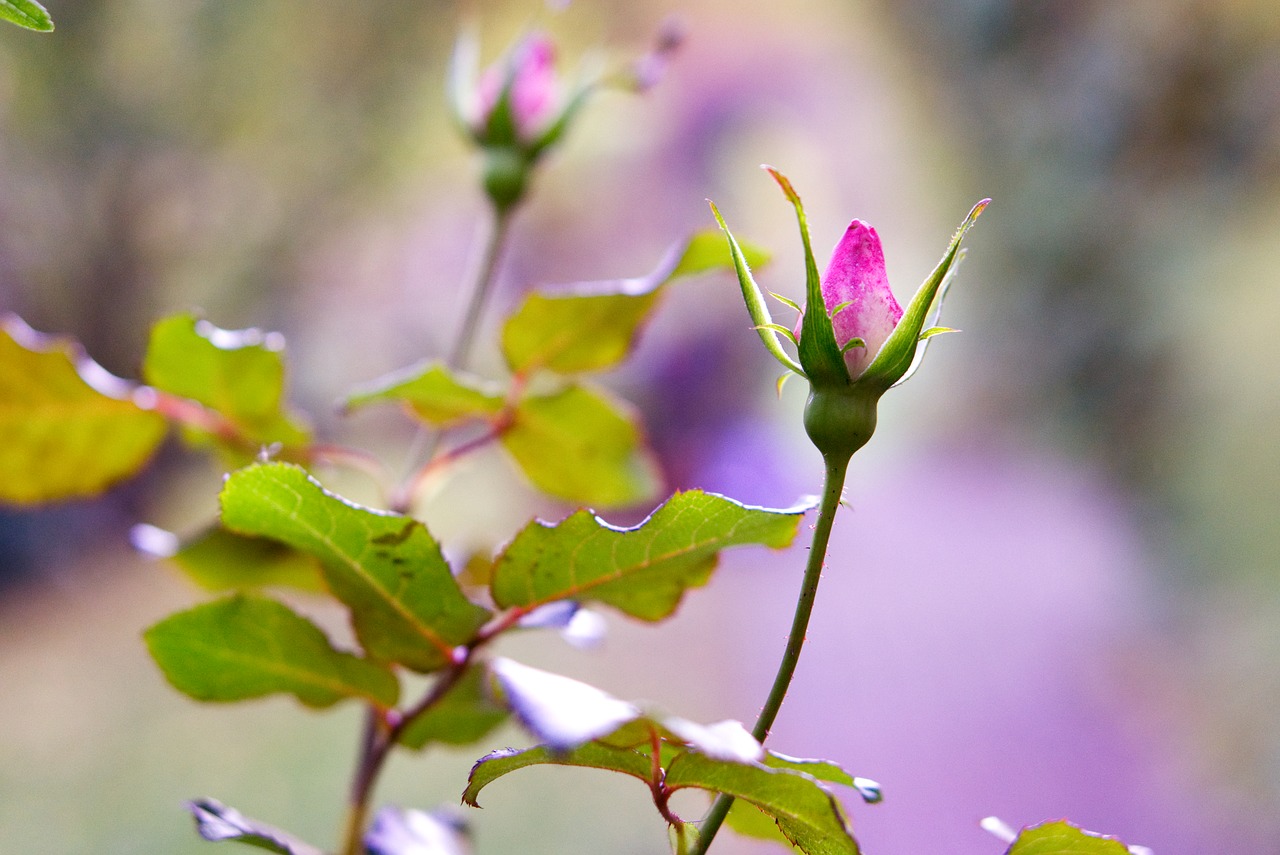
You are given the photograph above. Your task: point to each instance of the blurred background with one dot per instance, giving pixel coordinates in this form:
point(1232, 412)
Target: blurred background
point(1055, 591)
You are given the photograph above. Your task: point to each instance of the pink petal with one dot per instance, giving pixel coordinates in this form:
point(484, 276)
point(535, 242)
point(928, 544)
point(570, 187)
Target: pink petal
point(533, 92)
point(856, 275)
point(533, 86)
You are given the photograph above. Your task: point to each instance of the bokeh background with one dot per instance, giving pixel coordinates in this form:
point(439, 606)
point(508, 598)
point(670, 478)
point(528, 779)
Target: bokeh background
point(1056, 590)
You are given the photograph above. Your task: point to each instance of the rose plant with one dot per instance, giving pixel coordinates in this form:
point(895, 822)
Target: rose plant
point(422, 665)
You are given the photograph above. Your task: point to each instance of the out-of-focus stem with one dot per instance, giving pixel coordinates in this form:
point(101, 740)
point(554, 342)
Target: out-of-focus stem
point(426, 442)
point(834, 485)
point(482, 287)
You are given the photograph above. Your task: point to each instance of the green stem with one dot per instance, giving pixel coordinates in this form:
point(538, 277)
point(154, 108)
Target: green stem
point(833, 487)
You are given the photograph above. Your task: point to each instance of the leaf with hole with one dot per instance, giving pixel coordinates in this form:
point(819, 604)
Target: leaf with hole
point(248, 646)
point(642, 571)
point(405, 604)
point(68, 429)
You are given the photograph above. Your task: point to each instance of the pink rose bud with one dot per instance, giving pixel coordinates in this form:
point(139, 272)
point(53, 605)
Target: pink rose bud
point(530, 73)
point(855, 290)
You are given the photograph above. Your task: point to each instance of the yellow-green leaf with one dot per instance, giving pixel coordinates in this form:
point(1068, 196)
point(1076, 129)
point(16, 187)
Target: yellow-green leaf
point(67, 428)
point(592, 326)
point(1063, 838)
point(579, 445)
point(239, 374)
point(435, 393)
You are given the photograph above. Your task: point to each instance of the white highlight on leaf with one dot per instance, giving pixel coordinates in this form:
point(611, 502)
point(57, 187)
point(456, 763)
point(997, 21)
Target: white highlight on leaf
point(560, 711)
point(724, 740)
point(238, 339)
point(154, 541)
point(1000, 828)
point(585, 630)
point(397, 831)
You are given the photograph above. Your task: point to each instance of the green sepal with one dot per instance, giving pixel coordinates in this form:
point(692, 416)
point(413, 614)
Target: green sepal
point(460, 79)
point(554, 131)
point(248, 646)
point(819, 353)
point(932, 331)
point(786, 301)
point(899, 350)
point(753, 296)
point(26, 13)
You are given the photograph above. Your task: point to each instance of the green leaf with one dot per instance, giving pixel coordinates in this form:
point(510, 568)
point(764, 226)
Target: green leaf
point(67, 428)
point(248, 646)
point(221, 560)
point(465, 714)
point(26, 13)
point(808, 815)
point(405, 604)
point(593, 326)
point(435, 393)
point(239, 374)
point(216, 822)
point(580, 446)
point(592, 755)
point(825, 770)
point(642, 571)
point(1063, 838)
point(748, 820)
